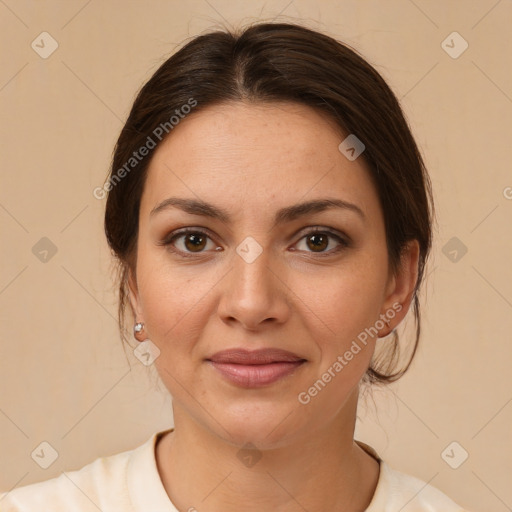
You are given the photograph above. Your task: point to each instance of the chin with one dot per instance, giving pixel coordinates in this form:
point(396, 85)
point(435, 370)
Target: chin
point(274, 427)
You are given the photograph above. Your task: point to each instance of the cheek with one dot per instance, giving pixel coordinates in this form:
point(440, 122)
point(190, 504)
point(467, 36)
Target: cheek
point(341, 309)
point(342, 302)
point(175, 301)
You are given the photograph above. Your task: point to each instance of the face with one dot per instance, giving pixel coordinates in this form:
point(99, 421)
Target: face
point(256, 271)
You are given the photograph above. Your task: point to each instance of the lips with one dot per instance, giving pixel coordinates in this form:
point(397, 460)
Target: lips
point(255, 368)
point(249, 357)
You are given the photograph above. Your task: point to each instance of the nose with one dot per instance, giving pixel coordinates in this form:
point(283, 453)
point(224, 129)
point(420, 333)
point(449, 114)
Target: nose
point(254, 294)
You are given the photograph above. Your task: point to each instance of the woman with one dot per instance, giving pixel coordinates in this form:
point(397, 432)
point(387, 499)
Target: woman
point(271, 215)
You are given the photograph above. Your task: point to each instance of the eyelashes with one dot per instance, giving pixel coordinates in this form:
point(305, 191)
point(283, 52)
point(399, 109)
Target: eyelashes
point(200, 236)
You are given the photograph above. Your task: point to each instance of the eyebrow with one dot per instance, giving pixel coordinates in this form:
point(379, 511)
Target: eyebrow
point(287, 214)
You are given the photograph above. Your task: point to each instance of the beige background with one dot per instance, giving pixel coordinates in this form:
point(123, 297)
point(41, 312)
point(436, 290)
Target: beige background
point(63, 374)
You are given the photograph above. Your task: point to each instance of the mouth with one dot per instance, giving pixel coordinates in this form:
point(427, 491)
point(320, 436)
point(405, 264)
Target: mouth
point(256, 368)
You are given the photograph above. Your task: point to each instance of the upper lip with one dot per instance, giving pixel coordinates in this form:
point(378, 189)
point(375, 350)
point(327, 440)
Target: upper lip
point(260, 356)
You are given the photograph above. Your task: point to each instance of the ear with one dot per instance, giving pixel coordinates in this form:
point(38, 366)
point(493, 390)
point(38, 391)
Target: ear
point(133, 295)
point(400, 288)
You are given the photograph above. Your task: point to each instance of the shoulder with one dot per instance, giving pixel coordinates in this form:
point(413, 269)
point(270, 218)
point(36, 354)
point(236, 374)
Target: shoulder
point(397, 491)
point(80, 490)
point(98, 485)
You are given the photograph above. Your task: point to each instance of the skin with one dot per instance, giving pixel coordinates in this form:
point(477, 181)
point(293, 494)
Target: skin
point(252, 159)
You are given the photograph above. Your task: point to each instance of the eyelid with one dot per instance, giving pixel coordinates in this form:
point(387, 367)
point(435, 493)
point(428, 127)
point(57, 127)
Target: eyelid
point(324, 229)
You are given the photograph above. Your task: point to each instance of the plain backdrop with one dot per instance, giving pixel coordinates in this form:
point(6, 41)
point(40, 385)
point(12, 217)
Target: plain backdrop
point(64, 378)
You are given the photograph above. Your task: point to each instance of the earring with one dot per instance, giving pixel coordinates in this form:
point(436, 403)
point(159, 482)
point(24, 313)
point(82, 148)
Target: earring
point(137, 330)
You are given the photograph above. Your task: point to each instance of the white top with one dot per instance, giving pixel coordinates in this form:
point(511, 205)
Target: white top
point(130, 482)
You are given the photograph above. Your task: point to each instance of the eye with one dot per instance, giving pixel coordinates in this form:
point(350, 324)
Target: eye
point(188, 242)
point(318, 239)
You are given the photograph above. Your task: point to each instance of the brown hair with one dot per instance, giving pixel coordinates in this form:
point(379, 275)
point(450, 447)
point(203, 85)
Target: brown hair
point(268, 62)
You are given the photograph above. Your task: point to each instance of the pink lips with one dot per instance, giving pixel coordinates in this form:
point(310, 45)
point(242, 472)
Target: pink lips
point(256, 368)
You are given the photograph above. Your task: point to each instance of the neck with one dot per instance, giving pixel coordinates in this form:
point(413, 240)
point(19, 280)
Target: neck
point(325, 470)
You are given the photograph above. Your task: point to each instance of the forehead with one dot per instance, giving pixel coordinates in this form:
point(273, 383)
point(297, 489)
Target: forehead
point(252, 156)
point(252, 133)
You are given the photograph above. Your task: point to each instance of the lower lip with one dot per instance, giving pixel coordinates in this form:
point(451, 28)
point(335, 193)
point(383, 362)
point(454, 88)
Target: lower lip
point(255, 375)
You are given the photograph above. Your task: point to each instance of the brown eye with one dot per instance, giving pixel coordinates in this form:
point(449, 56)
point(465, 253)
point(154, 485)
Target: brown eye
point(189, 242)
point(194, 242)
point(318, 242)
